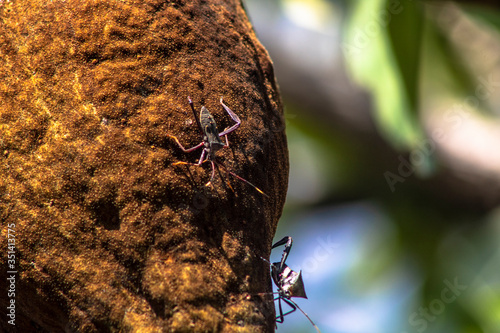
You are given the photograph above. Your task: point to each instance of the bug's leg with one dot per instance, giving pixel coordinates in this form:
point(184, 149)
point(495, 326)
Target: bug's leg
point(233, 116)
point(292, 305)
point(198, 146)
point(266, 294)
point(202, 157)
point(216, 166)
point(184, 163)
point(212, 175)
point(279, 319)
point(287, 241)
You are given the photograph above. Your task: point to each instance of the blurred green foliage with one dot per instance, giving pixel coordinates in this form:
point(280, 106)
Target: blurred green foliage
point(418, 61)
point(382, 47)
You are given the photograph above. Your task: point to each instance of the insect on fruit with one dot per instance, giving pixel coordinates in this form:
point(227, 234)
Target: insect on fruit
point(212, 142)
point(289, 282)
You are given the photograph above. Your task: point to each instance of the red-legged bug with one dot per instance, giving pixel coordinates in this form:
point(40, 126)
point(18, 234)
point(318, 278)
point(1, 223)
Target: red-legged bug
point(289, 282)
point(211, 142)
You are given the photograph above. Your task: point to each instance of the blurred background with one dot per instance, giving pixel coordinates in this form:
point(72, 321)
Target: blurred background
point(393, 124)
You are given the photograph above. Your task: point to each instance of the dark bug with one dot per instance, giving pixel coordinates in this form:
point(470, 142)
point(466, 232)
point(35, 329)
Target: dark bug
point(212, 142)
point(289, 282)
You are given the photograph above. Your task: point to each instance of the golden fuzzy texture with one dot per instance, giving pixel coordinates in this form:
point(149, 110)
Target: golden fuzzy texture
point(110, 236)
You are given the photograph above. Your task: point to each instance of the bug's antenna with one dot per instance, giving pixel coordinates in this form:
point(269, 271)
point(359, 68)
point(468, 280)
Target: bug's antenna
point(305, 314)
point(242, 179)
point(265, 260)
point(194, 114)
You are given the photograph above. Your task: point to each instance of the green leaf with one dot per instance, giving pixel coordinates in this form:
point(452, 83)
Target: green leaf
point(382, 49)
